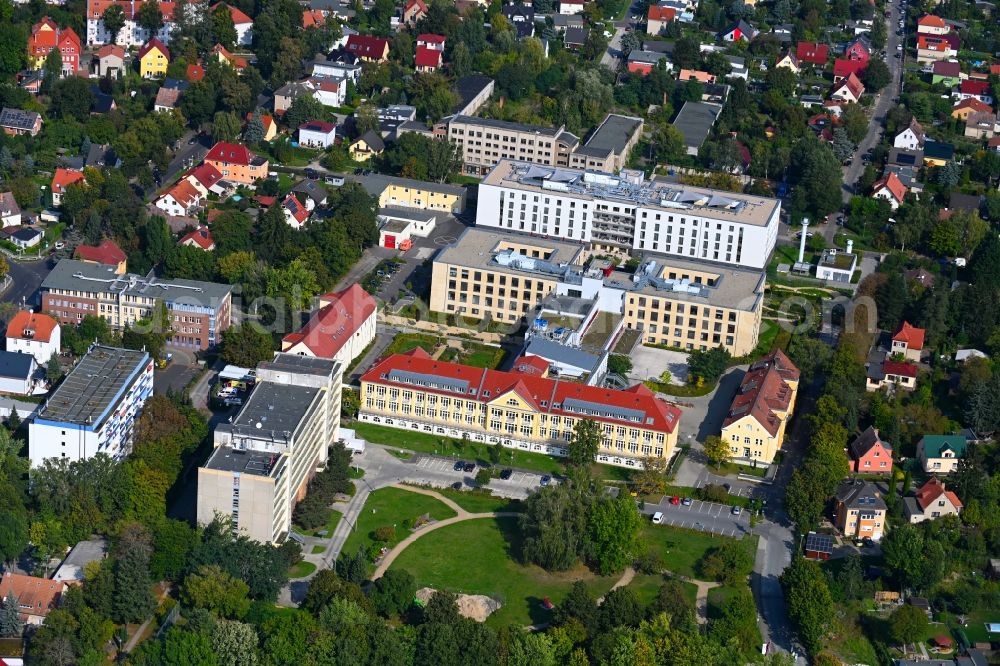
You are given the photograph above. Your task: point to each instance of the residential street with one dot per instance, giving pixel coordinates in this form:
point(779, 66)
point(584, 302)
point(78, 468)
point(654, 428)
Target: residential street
point(882, 103)
point(28, 277)
point(614, 51)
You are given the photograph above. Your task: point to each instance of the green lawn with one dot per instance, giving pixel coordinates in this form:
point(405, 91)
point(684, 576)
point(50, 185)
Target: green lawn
point(476, 502)
point(316, 550)
point(301, 570)
point(477, 557)
point(405, 342)
point(680, 549)
point(422, 442)
point(481, 356)
point(388, 507)
point(646, 587)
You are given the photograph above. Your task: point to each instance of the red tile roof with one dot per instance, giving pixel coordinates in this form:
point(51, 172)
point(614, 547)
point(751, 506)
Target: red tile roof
point(946, 68)
point(295, 207)
point(63, 178)
point(430, 39)
point(184, 193)
point(974, 87)
point(233, 153)
point(661, 13)
point(318, 126)
point(932, 490)
point(195, 72)
point(994, 69)
point(238, 16)
point(420, 4)
point(236, 61)
point(486, 385)
point(111, 50)
point(366, 46)
point(427, 57)
point(201, 237)
point(893, 184)
point(530, 364)
point(843, 67)
point(854, 85)
point(911, 335)
point(150, 45)
point(106, 252)
point(931, 21)
point(40, 324)
point(763, 391)
point(332, 325)
point(899, 368)
point(974, 104)
point(812, 52)
point(313, 17)
point(96, 8)
point(35, 596)
point(206, 174)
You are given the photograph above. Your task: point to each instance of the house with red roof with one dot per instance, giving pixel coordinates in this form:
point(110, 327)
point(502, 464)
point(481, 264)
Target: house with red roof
point(317, 134)
point(195, 72)
point(34, 333)
point(154, 58)
point(658, 18)
point(413, 11)
point(891, 189)
point(970, 89)
point(908, 341)
point(946, 72)
point(415, 392)
point(886, 373)
point(932, 25)
point(850, 89)
point(368, 48)
point(428, 59)
point(859, 49)
point(529, 364)
point(340, 329)
point(968, 106)
point(296, 213)
point(812, 53)
point(206, 178)
point(181, 200)
point(431, 41)
point(237, 163)
point(222, 54)
point(930, 502)
point(36, 597)
point(200, 238)
point(931, 48)
point(62, 179)
point(842, 68)
point(313, 18)
point(755, 425)
point(869, 454)
point(267, 120)
point(110, 61)
point(242, 23)
point(106, 253)
point(45, 37)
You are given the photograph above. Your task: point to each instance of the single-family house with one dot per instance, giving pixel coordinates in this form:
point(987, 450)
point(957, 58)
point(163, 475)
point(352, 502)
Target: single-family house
point(974, 89)
point(946, 72)
point(911, 138)
point(575, 38)
point(242, 23)
point(930, 502)
point(695, 75)
point(570, 7)
point(891, 189)
point(313, 18)
point(267, 122)
point(859, 510)
point(16, 122)
point(643, 62)
point(850, 89)
point(931, 48)
point(224, 57)
point(366, 146)
point(859, 49)
point(968, 106)
point(521, 16)
point(34, 333)
point(758, 415)
point(938, 153)
point(908, 342)
point(36, 597)
point(61, 180)
point(932, 25)
point(206, 178)
point(842, 68)
point(105, 253)
point(428, 59)
point(658, 18)
point(939, 454)
point(311, 194)
point(886, 373)
point(739, 31)
point(154, 57)
point(296, 214)
point(982, 125)
point(110, 61)
point(17, 369)
point(26, 237)
point(200, 238)
point(368, 48)
point(431, 41)
point(414, 11)
point(195, 72)
point(317, 134)
point(167, 99)
point(789, 60)
point(181, 200)
point(812, 53)
point(869, 454)
point(10, 212)
point(237, 163)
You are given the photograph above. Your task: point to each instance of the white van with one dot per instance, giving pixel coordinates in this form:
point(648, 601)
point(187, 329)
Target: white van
point(658, 518)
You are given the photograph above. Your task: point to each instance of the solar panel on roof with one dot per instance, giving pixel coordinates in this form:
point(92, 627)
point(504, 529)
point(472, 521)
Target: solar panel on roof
point(821, 543)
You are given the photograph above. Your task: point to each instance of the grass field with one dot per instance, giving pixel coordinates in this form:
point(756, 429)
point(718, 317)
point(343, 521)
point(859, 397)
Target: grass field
point(680, 549)
point(478, 557)
point(388, 507)
point(405, 342)
point(301, 570)
point(475, 502)
point(646, 588)
point(331, 524)
point(423, 442)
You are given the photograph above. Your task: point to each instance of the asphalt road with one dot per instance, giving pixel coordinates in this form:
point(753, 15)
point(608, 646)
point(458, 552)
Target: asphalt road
point(28, 277)
point(702, 516)
point(881, 107)
point(614, 50)
point(188, 155)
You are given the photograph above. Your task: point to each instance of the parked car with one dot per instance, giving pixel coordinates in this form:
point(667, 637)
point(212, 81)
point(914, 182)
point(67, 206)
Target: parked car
point(546, 480)
point(457, 485)
point(675, 500)
point(658, 518)
point(686, 501)
point(459, 465)
point(469, 467)
point(737, 511)
point(506, 474)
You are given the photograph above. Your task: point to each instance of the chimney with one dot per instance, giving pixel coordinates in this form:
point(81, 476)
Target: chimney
point(850, 247)
point(802, 241)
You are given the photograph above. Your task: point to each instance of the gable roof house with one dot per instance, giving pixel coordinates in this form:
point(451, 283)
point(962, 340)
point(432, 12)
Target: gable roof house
point(35, 596)
point(366, 146)
point(428, 59)
point(755, 424)
point(937, 47)
point(237, 163)
point(110, 61)
point(45, 37)
point(932, 25)
point(342, 327)
point(413, 11)
point(946, 72)
point(883, 372)
point(968, 106)
point(842, 68)
point(167, 99)
point(317, 134)
point(812, 53)
point(982, 125)
point(974, 89)
point(789, 61)
point(850, 89)
point(908, 341)
point(658, 18)
point(869, 454)
point(296, 214)
point(931, 501)
point(739, 31)
point(200, 238)
point(368, 48)
point(242, 23)
point(891, 189)
point(61, 180)
point(939, 454)
point(859, 49)
point(939, 153)
point(575, 38)
point(521, 16)
point(181, 200)
point(910, 138)
point(105, 253)
point(154, 57)
point(859, 510)
point(16, 122)
point(311, 193)
point(10, 212)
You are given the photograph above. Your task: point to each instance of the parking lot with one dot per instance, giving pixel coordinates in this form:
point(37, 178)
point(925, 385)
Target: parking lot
point(441, 472)
point(702, 516)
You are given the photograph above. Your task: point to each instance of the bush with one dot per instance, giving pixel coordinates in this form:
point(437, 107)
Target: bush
point(649, 564)
point(713, 492)
point(619, 364)
point(729, 563)
point(385, 533)
point(483, 477)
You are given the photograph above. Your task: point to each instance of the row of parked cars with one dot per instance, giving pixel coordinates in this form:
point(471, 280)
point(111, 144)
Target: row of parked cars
point(505, 474)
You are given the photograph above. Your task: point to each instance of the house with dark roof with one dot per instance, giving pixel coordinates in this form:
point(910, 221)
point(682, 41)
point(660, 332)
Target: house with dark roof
point(521, 16)
point(26, 237)
point(755, 425)
point(341, 329)
point(739, 31)
point(695, 121)
point(930, 502)
point(946, 72)
point(10, 212)
point(16, 122)
point(818, 546)
point(366, 146)
point(938, 153)
point(311, 193)
point(869, 454)
point(575, 38)
point(17, 372)
point(859, 510)
point(939, 454)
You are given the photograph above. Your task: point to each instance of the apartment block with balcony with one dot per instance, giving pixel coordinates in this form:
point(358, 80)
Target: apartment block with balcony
point(691, 305)
point(626, 212)
point(414, 392)
point(199, 311)
point(266, 455)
